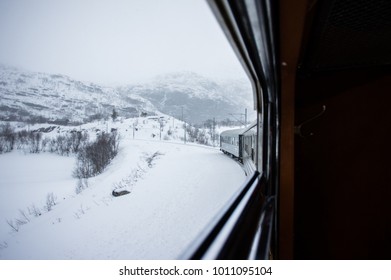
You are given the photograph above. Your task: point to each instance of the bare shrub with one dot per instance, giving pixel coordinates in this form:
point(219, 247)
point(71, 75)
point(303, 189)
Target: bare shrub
point(24, 215)
point(63, 145)
point(3, 147)
point(52, 146)
point(35, 142)
point(78, 139)
point(16, 223)
point(93, 158)
point(82, 184)
point(7, 138)
point(3, 245)
point(33, 210)
point(50, 201)
point(45, 142)
point(150, 159)
point(81, 211)
point(22, 139)
point(21, 221)
point(14, 226)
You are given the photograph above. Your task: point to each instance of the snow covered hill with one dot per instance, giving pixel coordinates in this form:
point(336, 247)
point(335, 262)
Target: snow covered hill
point(175, 191)
point(40, 97)
point(199, 97)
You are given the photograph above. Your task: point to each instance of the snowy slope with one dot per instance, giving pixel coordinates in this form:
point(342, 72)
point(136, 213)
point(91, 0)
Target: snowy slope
point(199, 97)
point(172, 197)
point(40, 97)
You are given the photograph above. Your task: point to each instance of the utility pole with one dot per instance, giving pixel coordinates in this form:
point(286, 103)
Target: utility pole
point(184, 137)
point(161, 128)
point(184, 127)
point(133, 130)
point(245, 117)
point(241, 115)
point(214, 131)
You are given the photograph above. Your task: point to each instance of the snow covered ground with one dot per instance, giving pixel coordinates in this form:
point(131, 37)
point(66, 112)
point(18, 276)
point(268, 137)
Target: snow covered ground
point(175, 190)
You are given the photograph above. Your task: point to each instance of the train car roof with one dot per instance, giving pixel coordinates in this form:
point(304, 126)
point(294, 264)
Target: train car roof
point(230, 132)
point(238, 131)
point(250, 126)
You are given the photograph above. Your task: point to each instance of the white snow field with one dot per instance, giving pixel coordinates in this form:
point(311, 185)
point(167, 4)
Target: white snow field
point(171, 201)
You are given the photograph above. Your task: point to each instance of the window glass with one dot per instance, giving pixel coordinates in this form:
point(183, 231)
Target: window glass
point(110, 116)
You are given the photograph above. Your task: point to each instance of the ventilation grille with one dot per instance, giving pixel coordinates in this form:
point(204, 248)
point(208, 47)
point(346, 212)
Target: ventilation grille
point(350, 33)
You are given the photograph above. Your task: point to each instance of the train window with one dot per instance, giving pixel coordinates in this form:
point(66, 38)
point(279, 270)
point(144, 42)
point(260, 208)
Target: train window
point(110, 116)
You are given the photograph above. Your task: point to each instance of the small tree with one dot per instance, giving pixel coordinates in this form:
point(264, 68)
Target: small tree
point(95, 156)
point(81, 185)
point(50, 201)
point(7, 138)
point(114, 115)
point(35, 142)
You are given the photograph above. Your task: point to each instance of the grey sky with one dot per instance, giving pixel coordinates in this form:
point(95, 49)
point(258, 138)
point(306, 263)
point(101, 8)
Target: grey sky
point(114, 41)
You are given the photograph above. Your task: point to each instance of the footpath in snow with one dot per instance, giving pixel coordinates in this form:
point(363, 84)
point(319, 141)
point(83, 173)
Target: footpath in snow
point(175, 191)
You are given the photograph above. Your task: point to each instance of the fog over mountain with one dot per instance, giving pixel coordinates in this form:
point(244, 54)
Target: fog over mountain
point(40, 97)
point(198, 97)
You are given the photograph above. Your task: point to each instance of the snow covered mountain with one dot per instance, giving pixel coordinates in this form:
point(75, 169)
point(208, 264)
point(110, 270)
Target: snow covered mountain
point(40, 97)
point(201, 98)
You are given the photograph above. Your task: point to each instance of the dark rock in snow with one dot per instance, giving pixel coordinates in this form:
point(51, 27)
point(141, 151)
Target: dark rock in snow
point(120, 193)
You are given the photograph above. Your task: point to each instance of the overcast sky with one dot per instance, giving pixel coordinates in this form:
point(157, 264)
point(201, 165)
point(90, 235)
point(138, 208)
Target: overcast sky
point(114, 41)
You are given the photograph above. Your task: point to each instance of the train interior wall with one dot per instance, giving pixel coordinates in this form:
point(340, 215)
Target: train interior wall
point(342, 166)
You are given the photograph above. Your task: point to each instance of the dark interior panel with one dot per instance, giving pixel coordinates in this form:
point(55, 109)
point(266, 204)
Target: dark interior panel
point(342, 166)
point(348, 34)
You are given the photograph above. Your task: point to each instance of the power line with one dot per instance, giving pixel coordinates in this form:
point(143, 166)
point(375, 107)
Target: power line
point(241, 114)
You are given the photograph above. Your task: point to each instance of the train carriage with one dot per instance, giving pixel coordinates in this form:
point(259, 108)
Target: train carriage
point(249, 148)
point(231, 142)
point(241, 144)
